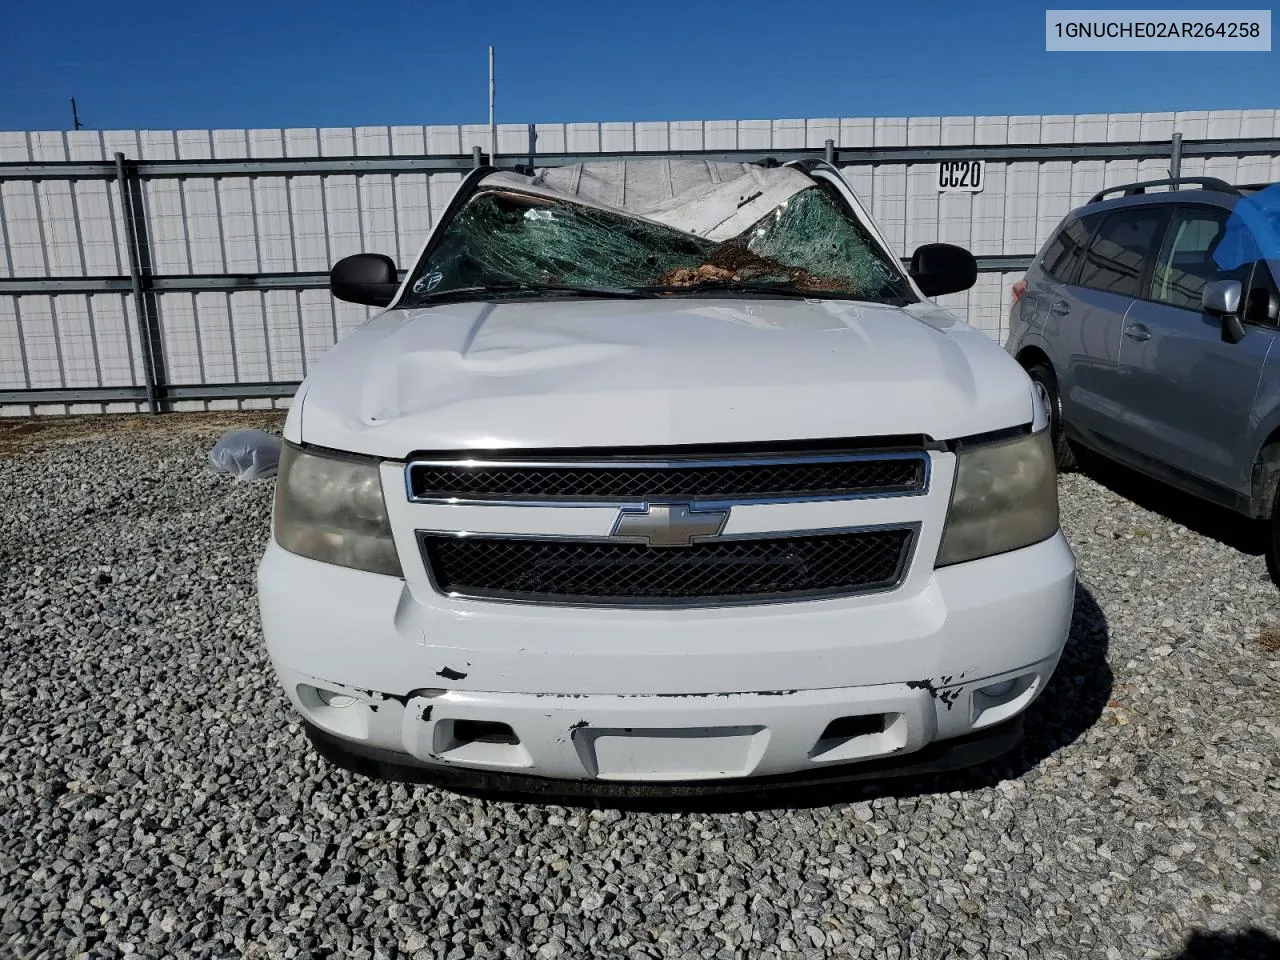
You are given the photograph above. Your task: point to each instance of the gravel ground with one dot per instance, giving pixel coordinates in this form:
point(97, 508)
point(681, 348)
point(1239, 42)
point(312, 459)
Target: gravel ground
point(158, 799)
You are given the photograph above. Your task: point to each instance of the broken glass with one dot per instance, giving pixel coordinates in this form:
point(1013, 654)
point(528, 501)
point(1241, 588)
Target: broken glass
point(505, 239)
point(812, 231)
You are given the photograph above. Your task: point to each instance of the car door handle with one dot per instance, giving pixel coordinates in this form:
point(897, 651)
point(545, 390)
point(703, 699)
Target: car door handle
point(1137, 331)
point(1060, 308)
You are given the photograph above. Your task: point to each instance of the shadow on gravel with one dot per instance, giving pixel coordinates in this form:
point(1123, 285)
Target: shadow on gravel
point(1070, 705)
point(1253, 944)
point(1206, 519)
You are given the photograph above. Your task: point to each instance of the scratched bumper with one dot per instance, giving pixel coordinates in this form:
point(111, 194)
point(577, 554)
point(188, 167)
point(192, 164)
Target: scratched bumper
point(660, 738)
point(676, 696)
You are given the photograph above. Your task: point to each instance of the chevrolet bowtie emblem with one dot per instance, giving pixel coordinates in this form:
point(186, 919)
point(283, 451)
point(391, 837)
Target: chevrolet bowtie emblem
point(668, 524)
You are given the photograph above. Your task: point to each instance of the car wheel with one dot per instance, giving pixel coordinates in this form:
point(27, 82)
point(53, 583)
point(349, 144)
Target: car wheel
point(1273, 540)
point(1046, 385)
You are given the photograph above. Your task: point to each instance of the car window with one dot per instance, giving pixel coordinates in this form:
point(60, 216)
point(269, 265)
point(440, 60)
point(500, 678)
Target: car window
point(1262, 304)
point(1186, 262)
point(504, 237)
point(1063, 254)
point(1115, 259)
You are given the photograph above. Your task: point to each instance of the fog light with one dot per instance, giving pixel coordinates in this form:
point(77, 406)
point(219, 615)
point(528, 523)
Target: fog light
point(996, 690)
point(1001, 700)
point(336, 700)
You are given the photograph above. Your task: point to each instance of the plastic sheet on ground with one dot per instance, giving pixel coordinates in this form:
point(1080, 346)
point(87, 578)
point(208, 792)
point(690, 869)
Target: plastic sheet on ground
point(246, 454)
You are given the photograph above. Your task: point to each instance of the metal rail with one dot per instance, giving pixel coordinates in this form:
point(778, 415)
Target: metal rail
point(318, 166)
point(190, 283)
point(236, 283)
point(172, 391)
point(1212, 184)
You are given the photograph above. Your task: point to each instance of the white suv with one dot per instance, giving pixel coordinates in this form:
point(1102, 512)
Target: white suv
point(663, 470)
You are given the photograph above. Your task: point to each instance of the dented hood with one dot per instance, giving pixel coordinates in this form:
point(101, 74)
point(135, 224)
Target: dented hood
point(602, 373)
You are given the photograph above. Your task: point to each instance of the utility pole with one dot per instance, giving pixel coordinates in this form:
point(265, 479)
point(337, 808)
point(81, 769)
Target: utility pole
point(493, 128)
point(75, 116)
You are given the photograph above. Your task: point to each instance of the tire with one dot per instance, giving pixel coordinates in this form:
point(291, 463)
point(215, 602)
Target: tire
point(1042, 376)
point(1273, 540)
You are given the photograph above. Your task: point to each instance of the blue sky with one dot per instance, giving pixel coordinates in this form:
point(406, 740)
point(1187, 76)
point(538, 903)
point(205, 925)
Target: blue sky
point(279, 63)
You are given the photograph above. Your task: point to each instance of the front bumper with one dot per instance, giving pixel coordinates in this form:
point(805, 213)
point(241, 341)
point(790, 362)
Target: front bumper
point(939, 757)
point(631, 696)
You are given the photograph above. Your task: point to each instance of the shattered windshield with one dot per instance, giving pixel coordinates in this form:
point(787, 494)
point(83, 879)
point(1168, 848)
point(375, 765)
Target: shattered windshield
point(505, 240)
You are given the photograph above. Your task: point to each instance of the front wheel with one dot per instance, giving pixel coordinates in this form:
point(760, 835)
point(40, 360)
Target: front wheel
point(1273, 540)
point(1046, 385)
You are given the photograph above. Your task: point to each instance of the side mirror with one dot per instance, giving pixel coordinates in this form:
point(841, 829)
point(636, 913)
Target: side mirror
point(939, 268)
point(1221, 298)
point(368, 278)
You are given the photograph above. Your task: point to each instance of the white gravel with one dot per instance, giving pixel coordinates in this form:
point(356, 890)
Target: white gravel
point(158, 798)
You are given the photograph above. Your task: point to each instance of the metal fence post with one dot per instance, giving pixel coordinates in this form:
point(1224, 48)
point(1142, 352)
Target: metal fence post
point(144, 301)
point(1175, 160)
point(475, 157)
point(831, 152)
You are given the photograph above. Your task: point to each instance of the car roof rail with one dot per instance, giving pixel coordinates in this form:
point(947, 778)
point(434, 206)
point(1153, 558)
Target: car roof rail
point(1136, 189)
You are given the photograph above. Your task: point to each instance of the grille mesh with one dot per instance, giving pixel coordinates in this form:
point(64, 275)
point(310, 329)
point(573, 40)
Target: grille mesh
point(573, 571)
point(634, 483)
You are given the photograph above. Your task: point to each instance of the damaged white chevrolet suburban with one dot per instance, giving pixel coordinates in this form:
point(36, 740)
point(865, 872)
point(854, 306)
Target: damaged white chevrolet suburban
point(663, 470)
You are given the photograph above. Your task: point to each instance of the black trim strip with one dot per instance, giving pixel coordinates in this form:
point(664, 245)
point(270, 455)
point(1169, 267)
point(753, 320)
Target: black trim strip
point(993, 436)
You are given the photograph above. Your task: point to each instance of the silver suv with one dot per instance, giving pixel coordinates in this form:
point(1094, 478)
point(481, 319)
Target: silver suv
point(1147, 324)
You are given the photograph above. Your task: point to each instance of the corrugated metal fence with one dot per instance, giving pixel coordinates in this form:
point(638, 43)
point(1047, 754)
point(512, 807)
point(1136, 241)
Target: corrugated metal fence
point(190, 272)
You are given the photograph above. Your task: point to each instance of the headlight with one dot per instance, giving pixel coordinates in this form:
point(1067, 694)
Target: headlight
point(1005, 497)
point(331, 509)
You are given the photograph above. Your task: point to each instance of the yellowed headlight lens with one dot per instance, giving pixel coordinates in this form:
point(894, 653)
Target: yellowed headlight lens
point(331, 509)
point(1005, 497)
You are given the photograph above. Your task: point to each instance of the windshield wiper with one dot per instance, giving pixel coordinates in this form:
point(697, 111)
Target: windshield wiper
point(488, 290)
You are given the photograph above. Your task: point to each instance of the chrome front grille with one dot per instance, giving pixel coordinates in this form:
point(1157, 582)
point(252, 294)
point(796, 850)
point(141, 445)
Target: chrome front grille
point(813, 476)
point(670, 543)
